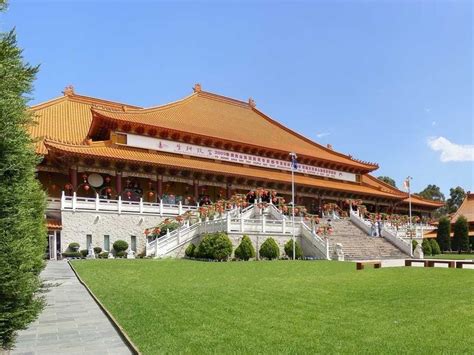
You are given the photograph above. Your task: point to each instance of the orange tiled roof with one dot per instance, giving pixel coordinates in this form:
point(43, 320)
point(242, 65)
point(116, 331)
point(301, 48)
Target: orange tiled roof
point(66, 119)
point(466, 209)
point(53, 224)
point(370, 180)
point(109, 151)
point(212, 115)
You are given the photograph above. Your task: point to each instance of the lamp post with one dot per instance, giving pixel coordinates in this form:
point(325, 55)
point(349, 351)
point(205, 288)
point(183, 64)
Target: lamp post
point(294, 166)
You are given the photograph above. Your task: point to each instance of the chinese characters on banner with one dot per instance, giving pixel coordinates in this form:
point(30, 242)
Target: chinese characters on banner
point(168, 146)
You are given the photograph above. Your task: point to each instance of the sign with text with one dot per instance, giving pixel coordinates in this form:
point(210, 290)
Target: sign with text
point(168, 146)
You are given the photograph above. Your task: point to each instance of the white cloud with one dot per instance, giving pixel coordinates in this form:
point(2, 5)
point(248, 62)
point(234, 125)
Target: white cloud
point(434, 123)
point(322, 134)
point(451, 151)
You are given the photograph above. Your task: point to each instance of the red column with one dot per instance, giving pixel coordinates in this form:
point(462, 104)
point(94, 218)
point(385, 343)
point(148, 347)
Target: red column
point(228, 192)
point(196, 190)
point(118, 183)
point(159, 186)
point(73, 178)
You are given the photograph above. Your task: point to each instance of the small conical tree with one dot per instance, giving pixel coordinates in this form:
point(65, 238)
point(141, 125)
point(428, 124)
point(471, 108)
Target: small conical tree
point(269, 249)
point(289, 250)
point(22, 201)
point(435, 250)
point(426, 246)
point(461, 234)
point(245, 250)
point(443, 235)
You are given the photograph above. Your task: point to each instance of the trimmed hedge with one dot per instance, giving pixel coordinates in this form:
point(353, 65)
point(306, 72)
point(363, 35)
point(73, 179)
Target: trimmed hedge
point(72, 254)
point(97, 250)
point(120, 254)
point(414, 243)
point(216, 246)
point(120, 245)
point(270, 249)
point(104, 255)
point(189, 252)
point(245, 250)
point(289, 250)
point(74, 246)
point(84, 252)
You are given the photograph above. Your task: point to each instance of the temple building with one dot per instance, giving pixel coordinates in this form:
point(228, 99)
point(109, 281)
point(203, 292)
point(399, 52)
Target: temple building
point(111, 168)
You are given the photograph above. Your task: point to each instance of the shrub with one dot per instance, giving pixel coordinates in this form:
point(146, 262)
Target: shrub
point(120, 245)
point(289, 250)
point(73, 246)
point(120, 254)
point(71, 254)
point(270, 249)
point(84, 252)
point(461, 234)
point(104, 255)
point(189, 252)
point(435, 250)
point(141, 255)
point(443, 234)
point(414, 243)
point(97, 250)
point(215, 246)
point(426, 246)
point(245, 250)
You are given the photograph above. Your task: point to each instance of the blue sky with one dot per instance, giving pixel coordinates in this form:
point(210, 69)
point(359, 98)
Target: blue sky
point(389, 81)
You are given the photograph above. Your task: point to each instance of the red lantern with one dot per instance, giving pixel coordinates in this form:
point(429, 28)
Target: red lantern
point(86, 187)
point(107, 179)
point(68, 186)
point(146, 232)
point(129, 194)
point(151, 193)
point(53, 187)
point(84, 177)
point(108, 190)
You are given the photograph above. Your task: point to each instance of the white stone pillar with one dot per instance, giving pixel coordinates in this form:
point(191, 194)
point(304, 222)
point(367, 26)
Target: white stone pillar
point(97, 202)
point(74, 201)
point(140, 208)
point(161, 207)
point(120, 204)
point(63, 199)
point(180, 208)
point(283, 225)
point(229, 221)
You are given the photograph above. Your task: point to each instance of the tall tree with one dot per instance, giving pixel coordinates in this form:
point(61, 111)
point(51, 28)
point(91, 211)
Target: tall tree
point(461, 234)
point(432, 192)
point(387, 180)
point(22, 201)
point(456, 197)
point(443, 235)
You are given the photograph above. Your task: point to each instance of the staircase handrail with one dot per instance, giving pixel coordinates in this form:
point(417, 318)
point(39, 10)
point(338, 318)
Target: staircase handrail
point(398, 241)
point(320, 244)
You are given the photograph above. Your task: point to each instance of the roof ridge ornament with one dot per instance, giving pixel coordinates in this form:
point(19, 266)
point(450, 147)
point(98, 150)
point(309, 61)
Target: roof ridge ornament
point(252, 103)
point(68, 90)
point(197, 87)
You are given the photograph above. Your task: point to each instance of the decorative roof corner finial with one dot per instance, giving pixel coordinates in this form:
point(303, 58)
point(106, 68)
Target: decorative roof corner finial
point(197, 87)
point(124, 108)
point(68, 90)
point(329, 146)
point(252, 102)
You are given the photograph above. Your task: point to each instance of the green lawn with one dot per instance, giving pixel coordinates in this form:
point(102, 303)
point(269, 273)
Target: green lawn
point(173, 306)
point(452, 256)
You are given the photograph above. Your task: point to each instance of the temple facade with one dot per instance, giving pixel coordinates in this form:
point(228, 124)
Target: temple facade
point(111, 169)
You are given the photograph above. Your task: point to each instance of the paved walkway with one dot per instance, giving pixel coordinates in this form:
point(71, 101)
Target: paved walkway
point(71, 322)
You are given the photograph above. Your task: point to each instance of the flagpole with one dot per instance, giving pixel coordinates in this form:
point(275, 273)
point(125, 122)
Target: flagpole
point(293, 159)
point(409, 212)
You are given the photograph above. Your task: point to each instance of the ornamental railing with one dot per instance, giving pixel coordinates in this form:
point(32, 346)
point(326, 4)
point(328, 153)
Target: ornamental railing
point(387, 233)
point(239, 225)
point(75, 203)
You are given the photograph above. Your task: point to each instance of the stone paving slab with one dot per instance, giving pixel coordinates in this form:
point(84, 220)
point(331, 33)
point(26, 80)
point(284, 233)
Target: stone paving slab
point(71, 322)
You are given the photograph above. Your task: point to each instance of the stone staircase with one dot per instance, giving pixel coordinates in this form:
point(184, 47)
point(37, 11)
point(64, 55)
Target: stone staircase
point(356, 245)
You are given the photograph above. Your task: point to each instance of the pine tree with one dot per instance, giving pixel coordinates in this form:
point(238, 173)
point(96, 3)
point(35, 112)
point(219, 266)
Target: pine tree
point(461, 234)
point(22, 201)
point(245, 250)
point(443, 235)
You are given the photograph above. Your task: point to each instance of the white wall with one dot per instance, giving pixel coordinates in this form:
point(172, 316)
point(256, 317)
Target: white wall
point(76, 225)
